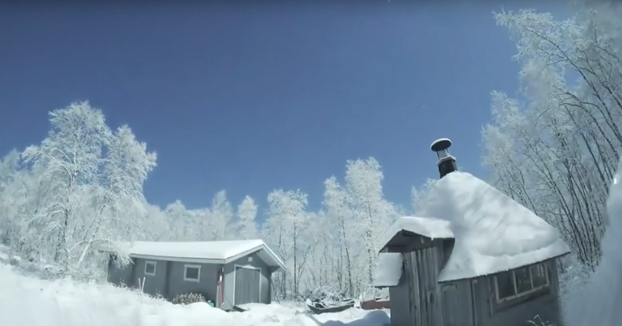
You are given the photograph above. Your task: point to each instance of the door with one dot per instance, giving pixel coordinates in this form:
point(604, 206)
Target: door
point(457, 303)
point(247, 285)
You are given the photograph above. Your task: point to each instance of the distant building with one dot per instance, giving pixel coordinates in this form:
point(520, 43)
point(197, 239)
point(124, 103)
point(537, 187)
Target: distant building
point(477, 258)
point(226, 272)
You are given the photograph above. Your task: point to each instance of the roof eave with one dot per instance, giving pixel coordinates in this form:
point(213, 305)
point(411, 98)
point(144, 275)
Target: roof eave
point(180, 259)
point(484, 275)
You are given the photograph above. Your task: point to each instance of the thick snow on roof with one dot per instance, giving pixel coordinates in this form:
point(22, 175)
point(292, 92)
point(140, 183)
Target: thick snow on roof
point(217, 251)
point(388, 270)
point(430, 227)
point(492, 232)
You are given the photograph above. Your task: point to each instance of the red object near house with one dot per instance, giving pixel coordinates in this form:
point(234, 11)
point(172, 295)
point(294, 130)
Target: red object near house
point(375, 304)
point(221, 290)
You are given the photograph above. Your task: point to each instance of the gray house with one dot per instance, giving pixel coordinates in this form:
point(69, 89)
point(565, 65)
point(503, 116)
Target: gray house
point(226, 272)
point(478, 258)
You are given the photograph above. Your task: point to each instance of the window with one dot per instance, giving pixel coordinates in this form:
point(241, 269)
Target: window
point(192, 273)
point(150, 268)
point(519, 282)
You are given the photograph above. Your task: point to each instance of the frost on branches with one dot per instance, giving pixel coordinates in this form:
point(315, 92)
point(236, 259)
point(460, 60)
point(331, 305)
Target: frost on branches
point(247, 212)
point(556, 151)
point(81, 186)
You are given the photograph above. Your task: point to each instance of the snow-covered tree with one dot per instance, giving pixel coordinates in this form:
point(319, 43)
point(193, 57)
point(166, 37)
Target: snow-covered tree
point(220, 217)
point(81, 186)
point(183, 222)
point(419, 195)
point(556, 150)
point(367, 205)
point(285, 229)
point(246, 214)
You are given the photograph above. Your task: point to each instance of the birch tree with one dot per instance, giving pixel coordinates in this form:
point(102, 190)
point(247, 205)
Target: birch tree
point(70, 157)
point(368, 206)
point(220, 217)
point(284, 229)
point(557, 152)
point(80, 186)
point(246, 214)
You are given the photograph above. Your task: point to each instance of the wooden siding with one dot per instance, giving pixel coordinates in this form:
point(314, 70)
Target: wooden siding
point(518, 312)
point(419, 300)
point(457, 303)
point(401, 308)
point(425, 296)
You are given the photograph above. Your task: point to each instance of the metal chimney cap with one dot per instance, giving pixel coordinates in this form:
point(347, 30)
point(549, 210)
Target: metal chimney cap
point(440, 144)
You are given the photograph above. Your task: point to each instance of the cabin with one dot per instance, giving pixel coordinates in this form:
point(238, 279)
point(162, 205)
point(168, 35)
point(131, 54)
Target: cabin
point(227, 273)
point(473, 257)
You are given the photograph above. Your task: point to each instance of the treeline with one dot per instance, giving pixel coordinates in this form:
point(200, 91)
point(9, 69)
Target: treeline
point(83, 186)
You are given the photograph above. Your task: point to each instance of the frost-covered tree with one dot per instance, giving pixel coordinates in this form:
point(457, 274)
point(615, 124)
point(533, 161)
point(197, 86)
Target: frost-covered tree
point(556, 152)
point(246, 214)
point(339, 223)
point(356, 216)
point(81, 186)
point(284, 229)
point(11, 179)
point(367, 205)
point(68, 160)
point(183, 222)
point(220, 217)
point(419, 195)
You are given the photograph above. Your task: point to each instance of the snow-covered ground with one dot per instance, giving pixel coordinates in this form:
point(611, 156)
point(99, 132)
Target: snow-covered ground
point(30, 301)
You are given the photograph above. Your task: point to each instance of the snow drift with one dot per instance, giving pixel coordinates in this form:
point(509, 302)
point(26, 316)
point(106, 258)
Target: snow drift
point(34, 302)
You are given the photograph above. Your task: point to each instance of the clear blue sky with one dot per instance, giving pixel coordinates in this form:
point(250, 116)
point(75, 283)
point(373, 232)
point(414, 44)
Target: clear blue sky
point(251, 97)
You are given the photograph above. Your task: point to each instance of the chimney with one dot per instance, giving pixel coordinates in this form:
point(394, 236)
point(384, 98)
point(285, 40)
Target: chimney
point(446, 163)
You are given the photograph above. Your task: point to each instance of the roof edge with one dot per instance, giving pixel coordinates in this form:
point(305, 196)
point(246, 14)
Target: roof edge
point(179, 259)
point(277, 262)
point(491, 274)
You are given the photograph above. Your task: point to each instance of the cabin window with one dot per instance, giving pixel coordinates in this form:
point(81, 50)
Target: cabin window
point(150, 268)
point(192, 273)
point(520, 282)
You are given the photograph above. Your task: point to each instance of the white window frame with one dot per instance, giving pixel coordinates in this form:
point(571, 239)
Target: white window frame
point(524, 293)
point(198, 279)
point(155, 266)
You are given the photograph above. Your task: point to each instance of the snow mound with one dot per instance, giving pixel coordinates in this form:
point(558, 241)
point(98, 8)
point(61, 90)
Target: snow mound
point(599, 302)
point(492, 232)
point(430, 227)
point(30, 301)
point(388, 269)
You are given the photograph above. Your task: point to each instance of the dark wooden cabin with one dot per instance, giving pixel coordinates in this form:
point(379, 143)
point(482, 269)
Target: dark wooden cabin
point(482, 259)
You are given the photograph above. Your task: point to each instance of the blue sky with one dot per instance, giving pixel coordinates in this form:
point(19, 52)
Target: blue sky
point(251, 97)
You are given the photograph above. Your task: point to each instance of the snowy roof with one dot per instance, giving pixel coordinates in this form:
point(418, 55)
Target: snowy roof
point(214, 252)
point(492, 232)
point(430, 227)
point(388, 269)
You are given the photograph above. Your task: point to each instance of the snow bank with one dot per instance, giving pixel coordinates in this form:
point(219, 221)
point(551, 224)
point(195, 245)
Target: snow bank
point(29, 301)
point(493, 233)
point(376, 317)
point(389, 269)
point(599, 303)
